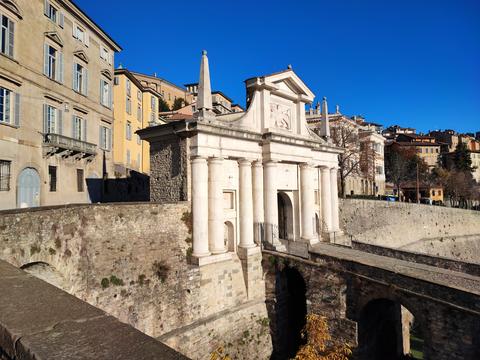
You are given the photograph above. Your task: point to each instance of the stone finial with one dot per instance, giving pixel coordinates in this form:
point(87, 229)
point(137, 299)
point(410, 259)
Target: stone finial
point(289, 67)
point(204, 99)
point(324, 124)
point(337, 109)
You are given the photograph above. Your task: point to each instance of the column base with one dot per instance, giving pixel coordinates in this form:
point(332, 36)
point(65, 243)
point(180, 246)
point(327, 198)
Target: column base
point(276, 247)
point(210, 259)
point(311, 241)
point(339, 238)
point(245, 252)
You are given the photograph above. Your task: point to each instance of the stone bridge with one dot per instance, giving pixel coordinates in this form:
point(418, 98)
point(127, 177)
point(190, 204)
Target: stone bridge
point(371, 301)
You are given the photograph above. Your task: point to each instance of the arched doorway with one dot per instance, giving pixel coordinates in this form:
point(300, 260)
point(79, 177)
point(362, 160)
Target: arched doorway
point(229, 236)
point(387, 330)
point(285, 217)
point(291, 311)
point(45, 272)
point(28, 189)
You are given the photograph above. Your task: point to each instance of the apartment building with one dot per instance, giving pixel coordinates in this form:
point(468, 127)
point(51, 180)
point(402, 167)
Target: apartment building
point(136, 107)
point(221, 103)
point(168, 91)
point(426, 147)
point(365, 148)
point(56, 117)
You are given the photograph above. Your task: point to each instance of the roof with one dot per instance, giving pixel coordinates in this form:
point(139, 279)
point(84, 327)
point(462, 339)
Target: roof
point(95, 26)
point(137, 82)
point(159, 79)
point(417, 143)
point(221, 93)
point(264, 76)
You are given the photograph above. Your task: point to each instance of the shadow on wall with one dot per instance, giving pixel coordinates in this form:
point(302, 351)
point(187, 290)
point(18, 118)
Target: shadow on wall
point(135, 187)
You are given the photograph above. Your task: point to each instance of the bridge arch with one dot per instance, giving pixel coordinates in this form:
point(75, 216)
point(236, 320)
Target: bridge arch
point(389, 330)
point(46, 272)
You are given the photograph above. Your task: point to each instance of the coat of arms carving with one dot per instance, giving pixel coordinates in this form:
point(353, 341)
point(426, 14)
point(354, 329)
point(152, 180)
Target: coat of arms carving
point(281, 116)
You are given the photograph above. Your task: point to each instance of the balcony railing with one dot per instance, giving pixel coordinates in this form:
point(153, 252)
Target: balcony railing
point(66, 146)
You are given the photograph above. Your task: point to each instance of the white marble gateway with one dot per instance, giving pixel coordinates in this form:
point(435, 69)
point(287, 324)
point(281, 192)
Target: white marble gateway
point(255, 177)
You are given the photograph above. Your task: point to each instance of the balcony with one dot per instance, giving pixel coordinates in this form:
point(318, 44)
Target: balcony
point(68, 147)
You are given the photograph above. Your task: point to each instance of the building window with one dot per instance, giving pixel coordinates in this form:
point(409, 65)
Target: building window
point(129, 87)
point(129, 131)
point(79, 128)
point(129, 105)
point(115, 80)
point(128, 157)
point(52, 120)
point(54, 14)
point(80, 180)
point(433, 192)
point(106, 55)
point(139, 113)
point(139, 95)
point(7, 36)
point(154, 103)
point(53, 64)
point(5, 175)
point(105, 93)
point(139, 141)
point(105, 138)
point(5, 105)
point(80, 79)
point(52, 175)
point(80, 34)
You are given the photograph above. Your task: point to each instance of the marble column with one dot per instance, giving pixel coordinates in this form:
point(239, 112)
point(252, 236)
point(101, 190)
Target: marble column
point(270, 202)
point(326, 199)
point(246, 204)
point(200, 206)
point(258, 216)
point(215, 206)
point(307, 197)
point(334, 192)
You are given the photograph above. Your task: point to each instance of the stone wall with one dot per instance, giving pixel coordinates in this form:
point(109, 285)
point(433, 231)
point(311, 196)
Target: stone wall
point(169, 168)
point(432, 230)
point(39, 321)
point(131, 261)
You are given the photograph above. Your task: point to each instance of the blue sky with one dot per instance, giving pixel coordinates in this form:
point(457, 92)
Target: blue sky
point(409, 62)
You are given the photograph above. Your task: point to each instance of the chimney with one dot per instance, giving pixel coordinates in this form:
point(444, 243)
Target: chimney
point(324, 124)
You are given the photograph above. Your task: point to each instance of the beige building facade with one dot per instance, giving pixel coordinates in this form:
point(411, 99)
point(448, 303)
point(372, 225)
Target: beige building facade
point(56, 118)
point(167, 90)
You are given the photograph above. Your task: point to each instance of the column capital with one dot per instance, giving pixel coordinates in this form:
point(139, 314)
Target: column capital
point(198, 158)
point(215, 159)
point(257, 163)
point(244, 162)
point(334, 170)
point(306, 165)
point(324, 168)
point(270, 163)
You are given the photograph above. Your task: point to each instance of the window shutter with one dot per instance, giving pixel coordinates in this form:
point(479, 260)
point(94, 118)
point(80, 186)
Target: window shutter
point(45, 59)
point(61, 20)
point(60, 122)
point(101, 92)
point(11, 37)
point(100, 137)
point(74, 126)
point(60, 67)
point(84, 129)
point(17, 109)
point(74, 76)
point(45, 116)
point(74, 31)
point(109, 96)
point(109, 139)
point(85, 81)
point(45, 10)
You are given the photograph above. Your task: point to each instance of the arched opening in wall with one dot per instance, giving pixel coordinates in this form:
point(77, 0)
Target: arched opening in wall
point(291, 311)
point(285, 216)
point(388, 330)
point(229, 236)
point(28, 188)
point(45, 272)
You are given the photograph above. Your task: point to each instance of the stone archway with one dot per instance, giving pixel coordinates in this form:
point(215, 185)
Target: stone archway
point(290, 312)
point(45, 272)
point(285, 216)
point(387, 330)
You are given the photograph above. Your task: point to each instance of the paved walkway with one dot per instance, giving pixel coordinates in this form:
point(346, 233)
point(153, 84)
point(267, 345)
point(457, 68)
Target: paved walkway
point(448, 278)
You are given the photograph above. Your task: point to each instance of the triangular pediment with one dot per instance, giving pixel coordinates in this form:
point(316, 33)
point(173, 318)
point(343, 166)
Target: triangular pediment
point(107, 74)
point(12, 6)
point(52, 35)
point(289, 83)
point(81, 55)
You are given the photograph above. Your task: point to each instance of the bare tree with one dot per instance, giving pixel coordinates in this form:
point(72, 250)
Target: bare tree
point(345, 135)
point(367, 159)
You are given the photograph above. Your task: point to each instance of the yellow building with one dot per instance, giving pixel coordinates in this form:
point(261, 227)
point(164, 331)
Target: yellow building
point(136, 107)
